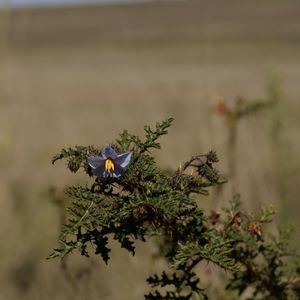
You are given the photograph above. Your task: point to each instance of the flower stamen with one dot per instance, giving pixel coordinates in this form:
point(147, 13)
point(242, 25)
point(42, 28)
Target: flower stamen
point(109, 165)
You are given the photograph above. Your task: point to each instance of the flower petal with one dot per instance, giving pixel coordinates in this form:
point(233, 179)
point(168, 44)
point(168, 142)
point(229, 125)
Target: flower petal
point(108, 151)
point(95, 161)
point(97, 165)
point(119, 171)
point(100, 172)
point(123, 159)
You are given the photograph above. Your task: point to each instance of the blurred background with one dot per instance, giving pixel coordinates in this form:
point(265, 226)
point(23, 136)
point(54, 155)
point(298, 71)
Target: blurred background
point(79, 72)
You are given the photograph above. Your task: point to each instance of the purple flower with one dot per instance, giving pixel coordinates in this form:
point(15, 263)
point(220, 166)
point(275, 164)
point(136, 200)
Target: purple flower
point(109, 164)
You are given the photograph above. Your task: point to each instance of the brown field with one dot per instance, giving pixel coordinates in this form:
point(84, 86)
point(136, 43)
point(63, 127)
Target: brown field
point(82, 75)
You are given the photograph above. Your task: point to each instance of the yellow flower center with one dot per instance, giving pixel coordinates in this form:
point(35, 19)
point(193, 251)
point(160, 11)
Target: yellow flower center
point(109, 165)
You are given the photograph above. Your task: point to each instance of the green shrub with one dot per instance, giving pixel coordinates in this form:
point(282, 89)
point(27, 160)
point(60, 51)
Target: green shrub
point(148, 201)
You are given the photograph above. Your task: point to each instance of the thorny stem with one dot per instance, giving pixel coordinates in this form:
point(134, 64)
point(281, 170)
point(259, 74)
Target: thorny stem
point(84, 215)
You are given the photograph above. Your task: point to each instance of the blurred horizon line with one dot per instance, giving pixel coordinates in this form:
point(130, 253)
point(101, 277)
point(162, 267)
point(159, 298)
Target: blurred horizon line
point(19, 4)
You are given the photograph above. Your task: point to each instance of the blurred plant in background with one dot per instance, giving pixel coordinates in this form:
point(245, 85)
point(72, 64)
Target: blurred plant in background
point(243, 108)
point(280, 144)
point(148, 202)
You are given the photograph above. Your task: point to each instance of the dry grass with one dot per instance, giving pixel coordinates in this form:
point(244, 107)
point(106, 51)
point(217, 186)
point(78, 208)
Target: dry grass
point(80, 76)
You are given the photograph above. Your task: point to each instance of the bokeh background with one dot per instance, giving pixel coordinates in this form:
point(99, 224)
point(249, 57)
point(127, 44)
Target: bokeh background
point(79, 75)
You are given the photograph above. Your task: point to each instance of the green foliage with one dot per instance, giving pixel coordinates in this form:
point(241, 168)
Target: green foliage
point(148, 201)
point(186, 279)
